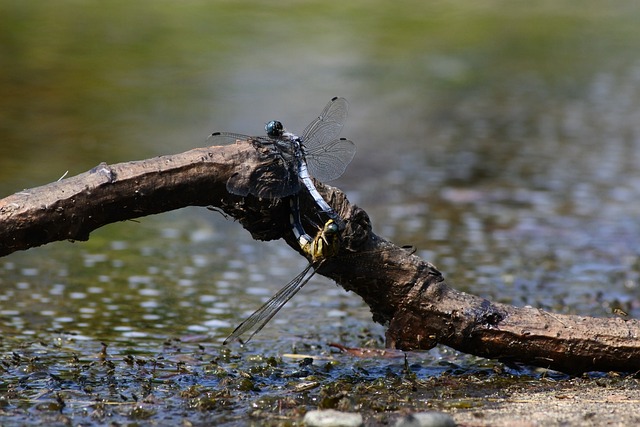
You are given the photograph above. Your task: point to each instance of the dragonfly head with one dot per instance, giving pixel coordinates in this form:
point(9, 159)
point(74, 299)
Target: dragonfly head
point(327, 242)
point(330, 227)
point(274, 129)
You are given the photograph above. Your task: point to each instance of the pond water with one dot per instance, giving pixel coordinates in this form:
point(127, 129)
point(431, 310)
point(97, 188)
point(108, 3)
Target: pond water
point(501, 140)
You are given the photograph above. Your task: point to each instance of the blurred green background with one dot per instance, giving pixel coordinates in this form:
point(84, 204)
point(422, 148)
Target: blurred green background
point(84, 82)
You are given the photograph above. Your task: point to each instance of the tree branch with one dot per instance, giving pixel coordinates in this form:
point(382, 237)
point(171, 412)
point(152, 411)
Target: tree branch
point(402, 290)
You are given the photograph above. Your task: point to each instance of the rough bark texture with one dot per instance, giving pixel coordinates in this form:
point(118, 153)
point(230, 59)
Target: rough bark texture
point(404, 292)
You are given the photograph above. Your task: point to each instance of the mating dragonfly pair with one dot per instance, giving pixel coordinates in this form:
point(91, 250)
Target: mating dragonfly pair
point(318, 152)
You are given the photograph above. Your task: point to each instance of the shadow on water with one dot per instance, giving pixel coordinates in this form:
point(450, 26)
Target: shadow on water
point(505, 139)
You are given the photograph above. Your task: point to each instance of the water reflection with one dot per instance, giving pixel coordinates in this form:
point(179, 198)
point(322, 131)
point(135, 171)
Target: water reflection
point(201, 288)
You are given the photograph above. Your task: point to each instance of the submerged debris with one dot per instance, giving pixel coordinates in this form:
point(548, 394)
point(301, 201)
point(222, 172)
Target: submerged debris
point(426, 419)
point(331, 418)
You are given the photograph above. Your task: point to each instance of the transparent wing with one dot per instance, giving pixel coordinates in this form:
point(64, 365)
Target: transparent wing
point(327, 126)
point(262, 315)
point(227, 138)
point(329, 161)
point(272, 181)
point(261, 182)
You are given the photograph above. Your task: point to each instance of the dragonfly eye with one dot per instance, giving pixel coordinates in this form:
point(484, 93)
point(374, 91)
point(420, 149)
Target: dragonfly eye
point(331, 228)
point(274, 129)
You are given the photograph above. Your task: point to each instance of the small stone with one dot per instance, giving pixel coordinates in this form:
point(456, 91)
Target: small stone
point(426, 419)
point(331, 418)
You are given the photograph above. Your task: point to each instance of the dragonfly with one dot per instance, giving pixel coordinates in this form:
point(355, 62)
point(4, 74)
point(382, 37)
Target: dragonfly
point(317, 152)
point(323, 246)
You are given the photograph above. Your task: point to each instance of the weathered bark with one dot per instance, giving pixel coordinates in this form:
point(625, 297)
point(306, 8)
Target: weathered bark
point(72, 208)
point(404, 292)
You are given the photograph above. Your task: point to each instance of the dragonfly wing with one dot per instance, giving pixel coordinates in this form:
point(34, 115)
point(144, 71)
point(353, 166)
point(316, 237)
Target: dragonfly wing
point(262, 316)
point(246, 180)
point(227, 138)
point(238, 182)
point(328, 124)
point(329, 161)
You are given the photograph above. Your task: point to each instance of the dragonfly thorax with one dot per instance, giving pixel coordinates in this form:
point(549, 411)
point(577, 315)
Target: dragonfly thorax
point(276, 130)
